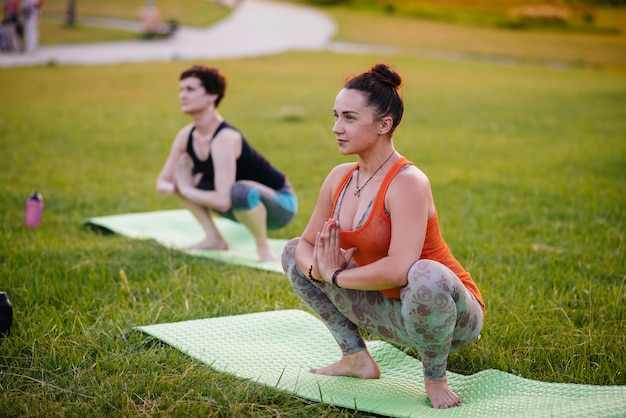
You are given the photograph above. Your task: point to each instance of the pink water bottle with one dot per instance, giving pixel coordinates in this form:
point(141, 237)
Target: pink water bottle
point(34, 209)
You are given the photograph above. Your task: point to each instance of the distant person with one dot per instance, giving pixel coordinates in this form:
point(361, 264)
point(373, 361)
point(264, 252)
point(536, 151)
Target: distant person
point(212, 168)
point(372, 256)
point(12, 30)
point(31, 10)
point(149, 16)
point(152, 24)
point(11, 10)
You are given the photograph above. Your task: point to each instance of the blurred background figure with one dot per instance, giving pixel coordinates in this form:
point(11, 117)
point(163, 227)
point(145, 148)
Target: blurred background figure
point(149, 16)
point(151, 19)
point(31, 10)
point(11, 31)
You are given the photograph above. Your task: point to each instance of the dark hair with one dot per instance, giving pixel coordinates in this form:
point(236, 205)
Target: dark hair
point(381, 87)
point(212, 80)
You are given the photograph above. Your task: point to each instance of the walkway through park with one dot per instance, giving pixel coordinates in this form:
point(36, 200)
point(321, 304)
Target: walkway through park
point(254, 28)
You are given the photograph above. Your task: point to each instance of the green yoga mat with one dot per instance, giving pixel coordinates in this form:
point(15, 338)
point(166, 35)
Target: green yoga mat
point(178, 229)
point(278, 348)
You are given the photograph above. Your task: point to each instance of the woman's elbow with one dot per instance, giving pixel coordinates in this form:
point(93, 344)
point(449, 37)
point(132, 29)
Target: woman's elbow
point(400, 277)
point(222, 205)
point(164, 187)
point(399, 280)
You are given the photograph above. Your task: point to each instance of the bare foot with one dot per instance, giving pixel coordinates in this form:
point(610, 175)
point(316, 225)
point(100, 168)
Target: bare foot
point(266, 254)
point(360, 365)
point(208, 244)
point(440, 395)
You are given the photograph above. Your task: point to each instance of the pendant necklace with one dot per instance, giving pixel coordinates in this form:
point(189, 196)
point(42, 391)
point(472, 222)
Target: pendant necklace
point(357, 191)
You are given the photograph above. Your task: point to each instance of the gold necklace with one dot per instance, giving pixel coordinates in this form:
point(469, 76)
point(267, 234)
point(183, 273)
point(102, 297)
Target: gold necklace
point(357, 192)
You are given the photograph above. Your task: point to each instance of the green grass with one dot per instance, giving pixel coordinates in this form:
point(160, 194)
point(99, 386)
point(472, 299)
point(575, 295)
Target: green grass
point(605, 51)
point(527, 167)
point(54, 30)
point(575, 15)
point(600, 50)
point(188, 12)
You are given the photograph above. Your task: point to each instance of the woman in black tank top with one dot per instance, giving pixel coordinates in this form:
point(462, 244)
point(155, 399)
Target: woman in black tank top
point(213, 169)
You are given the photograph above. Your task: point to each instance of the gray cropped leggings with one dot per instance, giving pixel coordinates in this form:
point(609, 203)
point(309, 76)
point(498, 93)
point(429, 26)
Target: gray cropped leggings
point(435, 313)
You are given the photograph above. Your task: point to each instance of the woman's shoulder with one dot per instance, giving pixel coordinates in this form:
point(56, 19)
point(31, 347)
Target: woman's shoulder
point(228, 131)
point(340, 171)
point(335, 175)
point(225, 125)
point(410, 183)
point(409, 172)
point(409, 177)
point(229, 137)
point(185, 131)
point(180, 141)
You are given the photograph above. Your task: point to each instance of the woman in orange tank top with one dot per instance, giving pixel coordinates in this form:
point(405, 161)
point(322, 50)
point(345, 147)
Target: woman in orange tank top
point(372, 255)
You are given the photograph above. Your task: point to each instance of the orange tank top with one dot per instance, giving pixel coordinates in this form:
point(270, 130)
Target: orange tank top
point(373, 237)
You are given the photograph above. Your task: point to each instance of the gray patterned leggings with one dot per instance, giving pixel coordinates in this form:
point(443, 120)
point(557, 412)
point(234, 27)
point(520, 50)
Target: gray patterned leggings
point(435, 313)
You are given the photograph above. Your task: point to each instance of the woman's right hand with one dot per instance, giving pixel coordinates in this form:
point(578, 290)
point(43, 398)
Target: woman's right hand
point(327, 253)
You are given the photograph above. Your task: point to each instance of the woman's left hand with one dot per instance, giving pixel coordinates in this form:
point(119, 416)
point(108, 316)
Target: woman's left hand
point(329, 256)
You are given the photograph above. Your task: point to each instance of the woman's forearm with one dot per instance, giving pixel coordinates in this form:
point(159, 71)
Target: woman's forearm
point(304, 258)
point(210, 199)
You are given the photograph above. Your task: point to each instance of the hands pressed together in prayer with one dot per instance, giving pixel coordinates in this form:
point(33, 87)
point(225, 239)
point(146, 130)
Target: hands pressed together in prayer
point(328, 256)
point(183, 178)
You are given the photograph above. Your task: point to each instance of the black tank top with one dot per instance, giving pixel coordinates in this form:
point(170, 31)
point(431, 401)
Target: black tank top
point(251, 165)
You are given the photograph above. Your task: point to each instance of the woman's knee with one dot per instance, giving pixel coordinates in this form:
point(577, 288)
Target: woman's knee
point(244, 196)
point(296, 277)
point(426, 272)
point(430, 284)
point(289, 253)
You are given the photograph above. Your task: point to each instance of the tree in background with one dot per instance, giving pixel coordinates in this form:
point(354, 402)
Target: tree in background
point(71, 12)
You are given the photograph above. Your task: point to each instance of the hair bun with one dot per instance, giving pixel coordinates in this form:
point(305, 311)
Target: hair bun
point(387, 75)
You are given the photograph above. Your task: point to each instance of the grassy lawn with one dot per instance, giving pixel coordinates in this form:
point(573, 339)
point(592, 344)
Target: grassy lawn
point(454, 27)
point(54, 31)
point(188, 12)
point(594, 49)
point(527, 167)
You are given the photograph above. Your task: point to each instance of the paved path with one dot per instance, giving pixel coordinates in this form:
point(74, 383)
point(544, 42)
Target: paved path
point(254, 28)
